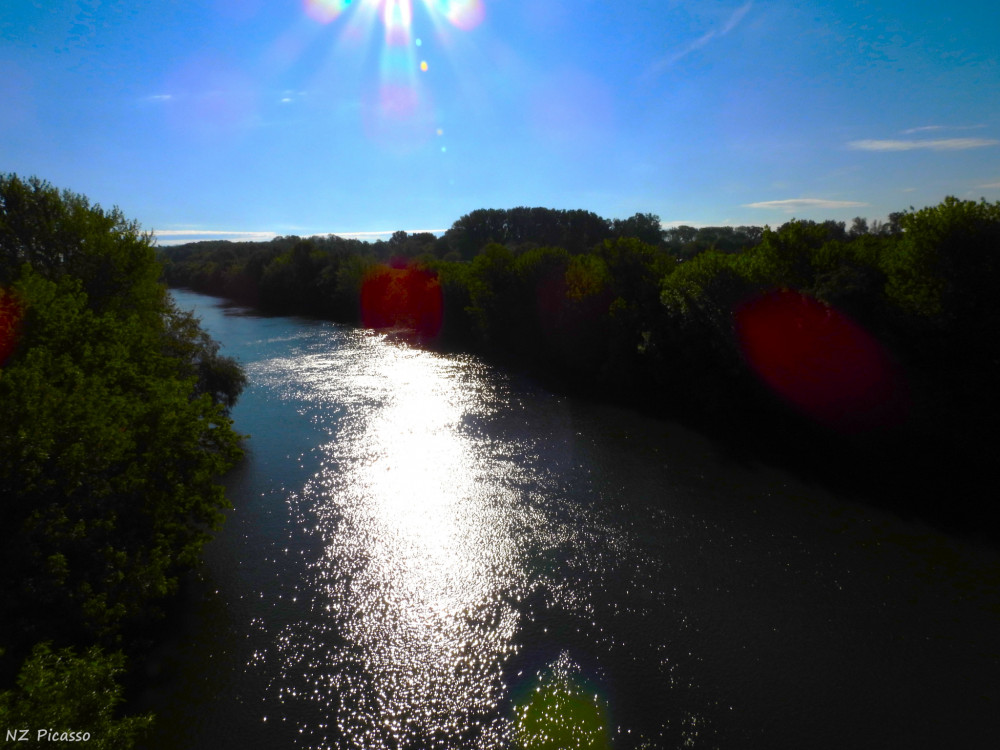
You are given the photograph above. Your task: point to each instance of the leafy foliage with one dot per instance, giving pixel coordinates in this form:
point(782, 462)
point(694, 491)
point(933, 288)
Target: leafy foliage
point(575, 231)
point(111, 457)
point(59, 691)
point(114, 426)
point(61, 234)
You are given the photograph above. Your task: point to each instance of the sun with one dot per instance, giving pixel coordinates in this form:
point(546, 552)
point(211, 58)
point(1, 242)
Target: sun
point(398, 113)
point(398, 14)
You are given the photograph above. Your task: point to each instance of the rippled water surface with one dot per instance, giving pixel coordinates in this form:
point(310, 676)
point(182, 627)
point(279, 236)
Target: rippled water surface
point(428, 552)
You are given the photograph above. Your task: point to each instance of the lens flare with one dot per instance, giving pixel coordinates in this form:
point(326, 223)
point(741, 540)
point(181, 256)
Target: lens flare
point(325, 11)
point(821, 362)
point(463, 14)
point(10, 317)
point(396, 117)
point(402, 298)
point(397, 16)
point(397, 108)
point(560, 710)
point(397, 101)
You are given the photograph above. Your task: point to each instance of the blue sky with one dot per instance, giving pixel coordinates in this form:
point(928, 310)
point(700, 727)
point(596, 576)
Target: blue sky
point(251, 118)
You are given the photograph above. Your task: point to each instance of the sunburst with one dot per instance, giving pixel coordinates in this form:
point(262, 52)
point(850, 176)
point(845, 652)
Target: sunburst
point(399, 113)
point(397, 15)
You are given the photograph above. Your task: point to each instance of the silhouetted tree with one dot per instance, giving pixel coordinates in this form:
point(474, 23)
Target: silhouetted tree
point(114, 428)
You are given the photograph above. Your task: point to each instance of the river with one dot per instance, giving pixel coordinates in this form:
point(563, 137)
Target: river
point(427, 551)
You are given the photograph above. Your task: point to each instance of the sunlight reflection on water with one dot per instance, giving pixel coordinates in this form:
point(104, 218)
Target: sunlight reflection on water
point(426, 551)
point(423, 561)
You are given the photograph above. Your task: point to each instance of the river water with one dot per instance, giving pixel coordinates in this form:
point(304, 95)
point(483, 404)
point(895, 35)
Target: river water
point(426, 551)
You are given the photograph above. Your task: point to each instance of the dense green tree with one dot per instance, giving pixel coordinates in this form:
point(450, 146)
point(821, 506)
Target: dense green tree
point(61, 691)
point(644, 227)
point(492, 281)
point(634, 313)
point(681, 235)
point(942, 272)
point(61, 234)
point(458, 328)
point(850, 277)
point(946, 264)
point(686, 241)
point(107, 462)
point(576, 231)
point(113, 431)
point(536, 308)
point(859, 226)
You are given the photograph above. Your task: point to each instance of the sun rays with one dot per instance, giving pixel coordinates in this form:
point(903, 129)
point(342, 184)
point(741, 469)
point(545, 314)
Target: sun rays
point(398, 110)
point(462, 14)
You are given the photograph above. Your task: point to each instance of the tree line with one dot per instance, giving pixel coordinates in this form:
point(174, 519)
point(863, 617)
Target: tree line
point(113, 429)
point(867, 350)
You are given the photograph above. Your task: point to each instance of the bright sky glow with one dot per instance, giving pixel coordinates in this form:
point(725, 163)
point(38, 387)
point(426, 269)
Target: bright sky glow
point(253, 118)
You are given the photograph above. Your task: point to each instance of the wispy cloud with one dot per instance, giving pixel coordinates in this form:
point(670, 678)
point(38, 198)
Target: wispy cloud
point(290, 95)
point(157, 98)
point(792, 204)
point(735, 18)
point(179, 236)
point(731, 23)
point(209, 233)
point(922, 129)
point(385, 234)
point(925, 128)
point(942, 144)
point(990, 185)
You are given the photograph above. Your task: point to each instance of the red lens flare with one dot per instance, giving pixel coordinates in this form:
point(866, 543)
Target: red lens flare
point(821, 362)
point(402, 298)
point(10, 317)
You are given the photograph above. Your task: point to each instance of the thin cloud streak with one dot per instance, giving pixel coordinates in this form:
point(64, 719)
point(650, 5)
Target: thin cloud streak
point(943, 144)
point(790, 204)
point(922, 129)
point(180, 236)
point(387, 233)
point(735, 18)
point(166, 237)
point(925, 128)
point(208, 233)
point(731, 23)
point(361, 235)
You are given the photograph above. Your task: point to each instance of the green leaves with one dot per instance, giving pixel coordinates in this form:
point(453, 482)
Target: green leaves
point(100, 430)
point(113, 430)
point(61, 234)
point(946, 263)
point(60, 691)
